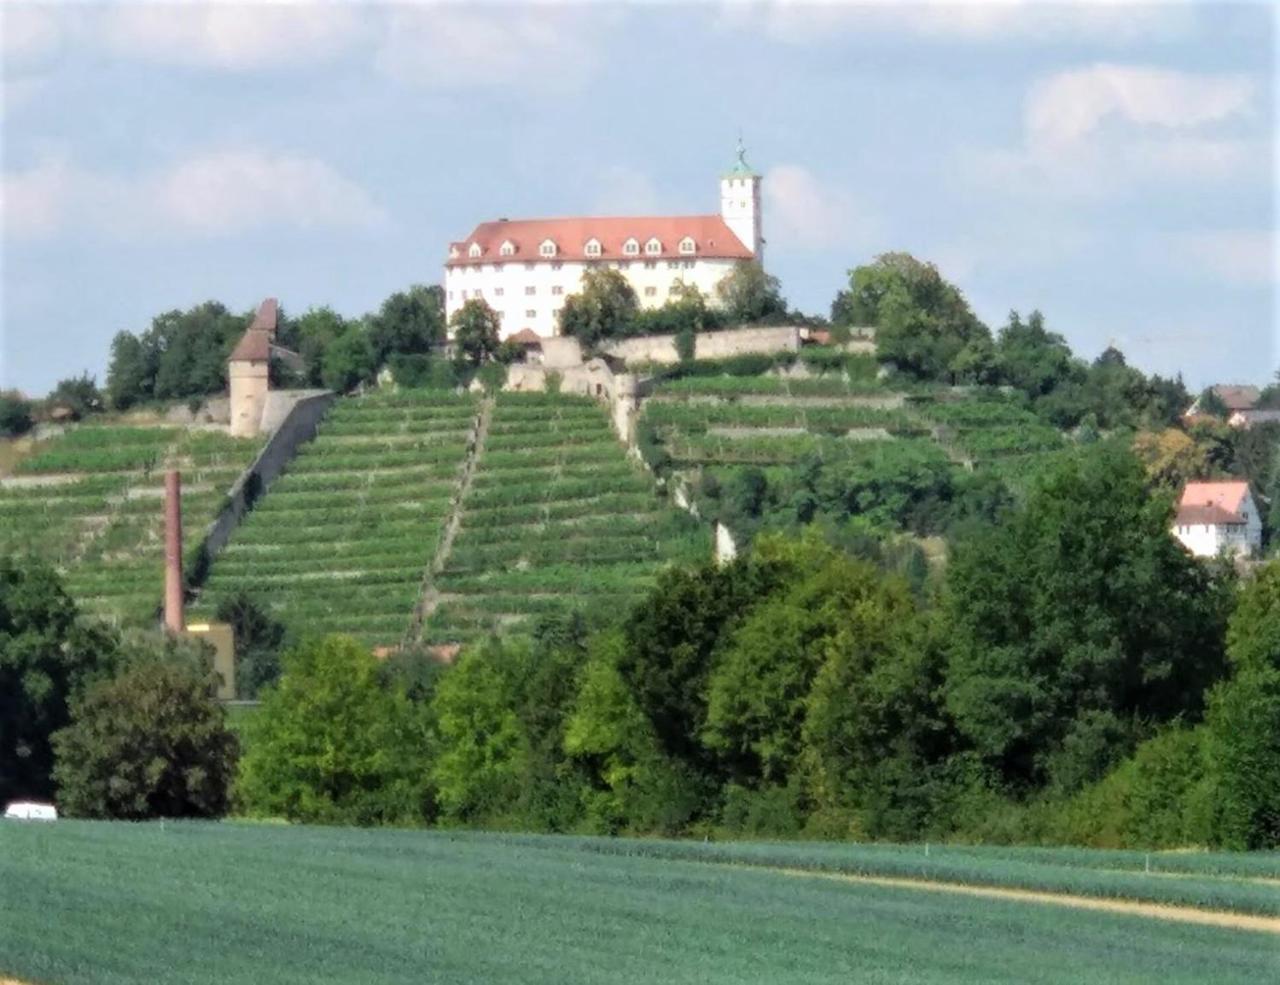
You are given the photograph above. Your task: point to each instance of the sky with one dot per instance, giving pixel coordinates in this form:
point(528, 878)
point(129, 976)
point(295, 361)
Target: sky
point(1112, 165)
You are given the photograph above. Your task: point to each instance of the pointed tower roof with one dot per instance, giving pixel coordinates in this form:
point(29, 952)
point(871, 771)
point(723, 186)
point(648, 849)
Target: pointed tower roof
point(741, 169)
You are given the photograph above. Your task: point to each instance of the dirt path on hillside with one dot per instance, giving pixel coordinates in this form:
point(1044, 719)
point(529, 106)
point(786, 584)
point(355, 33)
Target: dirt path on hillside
point(429, 597)
point(1158, 911)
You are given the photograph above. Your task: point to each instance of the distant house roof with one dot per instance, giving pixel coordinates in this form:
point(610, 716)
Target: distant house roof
point(526, 336)
point(1238, 397)
point(524, 237)
point(1212, 502)
point(254, 346)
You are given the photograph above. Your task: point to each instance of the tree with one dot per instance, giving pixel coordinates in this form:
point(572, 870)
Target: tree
point(349, 360)
point(1032, 358)
point(310, 336)
point(604, 308)
point(131, 374)
point(78, 393)
point(15, 414)
point(1243, 725)
point(475, 328)
point(47, 655)
point(408, 322)
point(748, 294)
point(1211, 404)
point(922, 322)
point(1076, 622)
point(193, 347)
point(152, 742)
point(332, 744)
point(258, 638)
point(1170, 457)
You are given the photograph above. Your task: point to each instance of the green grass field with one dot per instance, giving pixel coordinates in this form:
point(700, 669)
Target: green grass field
point(231, 903)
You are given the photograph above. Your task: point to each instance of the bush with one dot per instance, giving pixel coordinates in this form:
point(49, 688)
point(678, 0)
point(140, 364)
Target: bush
point(15, 415)
point(152, 742)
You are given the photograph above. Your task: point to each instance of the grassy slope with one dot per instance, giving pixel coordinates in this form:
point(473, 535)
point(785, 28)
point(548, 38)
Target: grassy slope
point(230, 904)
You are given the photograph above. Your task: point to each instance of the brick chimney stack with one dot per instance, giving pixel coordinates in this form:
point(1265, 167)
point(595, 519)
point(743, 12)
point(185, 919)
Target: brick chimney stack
point(174, 617)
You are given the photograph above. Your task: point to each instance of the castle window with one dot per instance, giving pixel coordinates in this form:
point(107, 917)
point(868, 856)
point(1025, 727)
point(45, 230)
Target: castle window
point(451, 295)
point(464, 295)
point(673, 264)
point(653, 247)
point(650, 292)
point(631, 248)
point(528, 266)
point(688, 265)
point(479, 293)
point(650, 264)
point(497, 292)
point(592, 249)
point(557, 289)
point(557, 265)
point(475, 250)
point(547, 249)
point(531, 313)
point(624, 264)
point(687, 245)
point(530, 290)
point(508, 249)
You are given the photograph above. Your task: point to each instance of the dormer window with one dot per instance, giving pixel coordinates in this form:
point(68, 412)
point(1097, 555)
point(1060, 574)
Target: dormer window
point(592, 248)
point(453, 253)
point(653, 247)
point(631, 247)
point(547, 249)
point(508, 249)
point(688, 246)
point(475, 250)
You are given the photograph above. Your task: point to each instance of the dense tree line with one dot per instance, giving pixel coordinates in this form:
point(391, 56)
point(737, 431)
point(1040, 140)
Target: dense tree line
point(1073, 676)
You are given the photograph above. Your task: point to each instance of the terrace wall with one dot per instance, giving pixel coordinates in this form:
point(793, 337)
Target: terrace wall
point(661, 349)
point(299, 414)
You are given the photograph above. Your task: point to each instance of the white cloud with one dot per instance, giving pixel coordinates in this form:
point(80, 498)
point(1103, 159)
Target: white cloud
point(538, 47)
point(807, 22)
point(234, 37)
point(1094, 131)
point(28, 33)
point(1242, 257)
point(216, 194)
point(804, 212)
point(1070, 106)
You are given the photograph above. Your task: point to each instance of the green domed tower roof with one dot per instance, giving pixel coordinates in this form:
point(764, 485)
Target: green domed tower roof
point(741, 169)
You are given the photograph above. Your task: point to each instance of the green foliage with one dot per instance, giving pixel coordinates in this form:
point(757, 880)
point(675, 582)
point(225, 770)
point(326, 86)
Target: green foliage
point(409, 321)
point(1211, 404)
point(604, 308)
point(1243, 724)
point(922, 322)
point(349, 360)
point(311, 335)
point(749, 295)
point(1075, 622)
point(15, 414)
point(475, 329)
point(332, 744)
point(48, 654)
point(258, 639)
point(79, 394)
point(151, 742)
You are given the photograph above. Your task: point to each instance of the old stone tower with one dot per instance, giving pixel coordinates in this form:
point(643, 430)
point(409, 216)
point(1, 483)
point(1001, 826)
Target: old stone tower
point(248, 370)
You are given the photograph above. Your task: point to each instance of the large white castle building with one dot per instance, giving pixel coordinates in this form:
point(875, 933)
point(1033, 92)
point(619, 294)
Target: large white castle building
point(525, 268)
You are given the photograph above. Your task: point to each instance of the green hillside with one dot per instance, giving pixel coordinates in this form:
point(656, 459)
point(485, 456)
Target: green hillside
point(266, 904)
point(341, 541)
point(556, 517)
point(95, 507)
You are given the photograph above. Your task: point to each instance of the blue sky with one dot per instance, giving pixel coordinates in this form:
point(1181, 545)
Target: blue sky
point(1112, 165)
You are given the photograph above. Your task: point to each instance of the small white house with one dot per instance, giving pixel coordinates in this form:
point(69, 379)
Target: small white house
point(1218, 517)
point(28, 810)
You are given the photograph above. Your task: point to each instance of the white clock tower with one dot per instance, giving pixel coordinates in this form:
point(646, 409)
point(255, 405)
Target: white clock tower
point(740, 204)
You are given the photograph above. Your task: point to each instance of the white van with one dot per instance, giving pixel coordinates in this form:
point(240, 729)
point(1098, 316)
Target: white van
point(29, 810)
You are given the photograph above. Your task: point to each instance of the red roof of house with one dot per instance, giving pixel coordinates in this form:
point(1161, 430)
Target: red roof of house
point(1213, 502)
point(254, 346)
point(526, 336)
point(711, 236)
point(266, 317)
point(1205, 515)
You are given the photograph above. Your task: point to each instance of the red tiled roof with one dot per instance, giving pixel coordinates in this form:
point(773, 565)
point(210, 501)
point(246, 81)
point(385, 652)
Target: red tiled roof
point(526, 336)
point(1210, 514)
point(266, 317)
point(1237, 397)
point(1229, 496)
point(713, 238)
point(254, 346)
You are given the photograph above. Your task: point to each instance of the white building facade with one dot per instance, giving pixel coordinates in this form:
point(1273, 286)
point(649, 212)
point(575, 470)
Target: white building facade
point(525, 268)
point(1218, 518)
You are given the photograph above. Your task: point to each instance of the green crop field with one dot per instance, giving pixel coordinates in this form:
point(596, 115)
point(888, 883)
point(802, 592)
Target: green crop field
point(225, 904)
point(341, 541)
point(556, 515)
point(95, 508)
